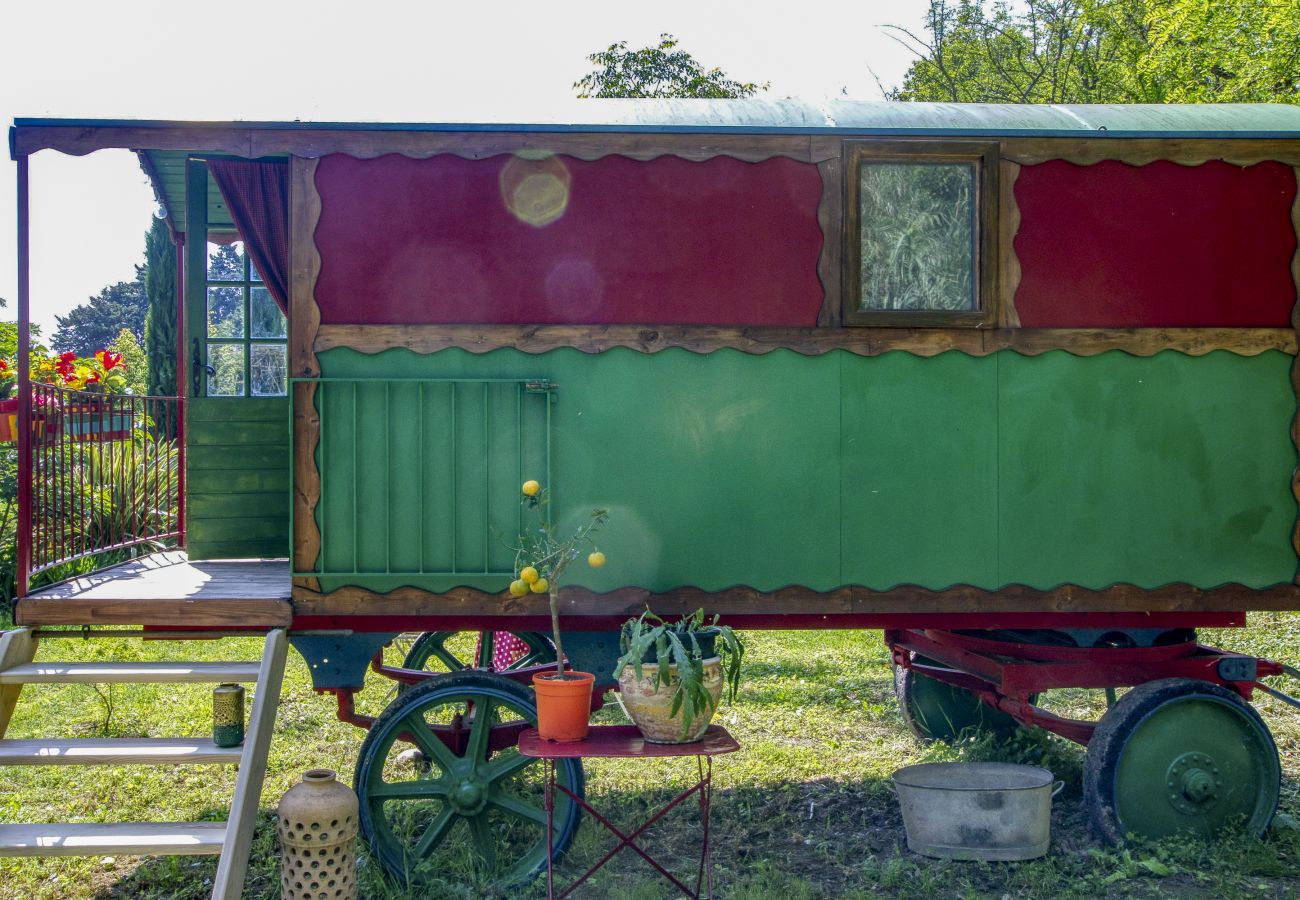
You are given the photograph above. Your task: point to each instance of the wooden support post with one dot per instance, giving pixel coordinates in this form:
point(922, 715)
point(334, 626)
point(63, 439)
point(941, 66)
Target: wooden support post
point(16, 647)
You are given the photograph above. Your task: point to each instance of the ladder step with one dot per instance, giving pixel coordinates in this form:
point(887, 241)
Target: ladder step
point(115, 751)
point(116, 838)
point(129, 673)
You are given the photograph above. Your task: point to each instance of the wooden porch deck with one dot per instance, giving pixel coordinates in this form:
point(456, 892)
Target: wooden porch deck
point(167, 589)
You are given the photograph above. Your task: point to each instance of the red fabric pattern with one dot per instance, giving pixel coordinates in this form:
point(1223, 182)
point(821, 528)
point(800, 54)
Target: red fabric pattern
point(506, 650)
point(257, 195)
point(1161, 245)
point(665, 241)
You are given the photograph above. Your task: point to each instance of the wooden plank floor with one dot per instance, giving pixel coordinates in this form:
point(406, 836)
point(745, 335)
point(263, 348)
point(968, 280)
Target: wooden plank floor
point(168, 589)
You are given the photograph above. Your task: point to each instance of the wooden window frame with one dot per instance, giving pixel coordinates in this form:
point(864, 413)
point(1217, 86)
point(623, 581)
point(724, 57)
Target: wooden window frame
point(985, 155)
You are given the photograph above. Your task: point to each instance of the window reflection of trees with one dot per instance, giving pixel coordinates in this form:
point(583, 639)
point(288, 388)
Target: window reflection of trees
point(918, 236)
point(245, 328)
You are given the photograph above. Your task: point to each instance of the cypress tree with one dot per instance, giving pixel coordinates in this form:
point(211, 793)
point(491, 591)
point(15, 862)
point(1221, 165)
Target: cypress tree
point(160, 321)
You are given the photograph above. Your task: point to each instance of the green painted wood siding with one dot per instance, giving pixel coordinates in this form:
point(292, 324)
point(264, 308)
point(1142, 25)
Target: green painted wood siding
point(780, 469)
point(237, 477)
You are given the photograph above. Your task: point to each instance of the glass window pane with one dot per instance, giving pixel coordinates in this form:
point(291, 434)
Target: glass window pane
point(266, 319)
point(252, 271)
point(225, 312)
point(268, 370)
point(228, 360)
point(918, 236)
point(226, 261)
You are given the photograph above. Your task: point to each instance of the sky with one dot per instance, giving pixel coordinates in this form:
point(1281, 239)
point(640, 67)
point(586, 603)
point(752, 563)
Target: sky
point(383, 60)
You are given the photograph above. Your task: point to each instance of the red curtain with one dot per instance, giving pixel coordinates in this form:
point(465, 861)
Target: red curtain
point(257, 195)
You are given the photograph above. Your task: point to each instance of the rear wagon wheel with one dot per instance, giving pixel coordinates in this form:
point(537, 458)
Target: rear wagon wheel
point(1179, 755)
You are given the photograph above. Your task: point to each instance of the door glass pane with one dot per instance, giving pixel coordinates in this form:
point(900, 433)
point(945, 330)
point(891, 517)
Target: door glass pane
point(226, 261)
point(917, 223)
point(268, 370)
point(225, 312)
point(228, 360)
point(267, 320)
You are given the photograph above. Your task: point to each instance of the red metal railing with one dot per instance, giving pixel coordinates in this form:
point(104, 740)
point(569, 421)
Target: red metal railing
point(103, 474)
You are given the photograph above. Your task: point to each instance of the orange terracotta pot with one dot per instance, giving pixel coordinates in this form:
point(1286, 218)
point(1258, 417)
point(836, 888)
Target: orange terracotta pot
point(563, 705)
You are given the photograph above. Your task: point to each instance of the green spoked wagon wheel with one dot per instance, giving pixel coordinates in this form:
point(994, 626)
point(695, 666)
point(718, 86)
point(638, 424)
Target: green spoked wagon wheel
point(1178, 755)
point(466, 804)
point(935, 711)
point(453, 651)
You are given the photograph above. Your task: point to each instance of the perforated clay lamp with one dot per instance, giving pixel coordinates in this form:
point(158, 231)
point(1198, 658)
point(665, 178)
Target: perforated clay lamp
point(317, 826)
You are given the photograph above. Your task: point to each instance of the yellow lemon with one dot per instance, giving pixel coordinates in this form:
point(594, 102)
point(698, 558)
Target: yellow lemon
point(528, 574)
point(531, 488)
point(518, 588)
point(539, 586)
point(596, 559)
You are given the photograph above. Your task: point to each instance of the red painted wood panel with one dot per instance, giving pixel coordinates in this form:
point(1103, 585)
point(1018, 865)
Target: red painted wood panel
point(615, 240)
point(1161, 245)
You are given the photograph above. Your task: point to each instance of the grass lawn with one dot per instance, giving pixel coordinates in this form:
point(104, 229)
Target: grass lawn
point(805, 810)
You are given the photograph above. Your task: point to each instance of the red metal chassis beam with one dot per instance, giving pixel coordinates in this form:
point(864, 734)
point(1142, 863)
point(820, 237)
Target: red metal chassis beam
point(1005, 674)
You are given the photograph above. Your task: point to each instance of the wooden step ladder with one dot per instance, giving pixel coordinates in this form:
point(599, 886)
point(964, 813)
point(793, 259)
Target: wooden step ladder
point(231, 839)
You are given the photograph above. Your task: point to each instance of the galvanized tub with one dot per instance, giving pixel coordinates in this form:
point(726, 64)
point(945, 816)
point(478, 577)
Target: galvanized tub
point(976, 810)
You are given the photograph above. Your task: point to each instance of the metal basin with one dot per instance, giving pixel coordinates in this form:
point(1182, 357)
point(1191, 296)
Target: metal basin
point(976, 810)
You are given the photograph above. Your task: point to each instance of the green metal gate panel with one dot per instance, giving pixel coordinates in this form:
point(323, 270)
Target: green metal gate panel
point(421, 477)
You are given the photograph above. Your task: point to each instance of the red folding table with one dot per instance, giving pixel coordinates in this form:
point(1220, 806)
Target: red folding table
point(626, 742)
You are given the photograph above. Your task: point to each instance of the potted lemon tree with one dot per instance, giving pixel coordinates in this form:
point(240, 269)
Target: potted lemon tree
point(541, 558)
point(671, 675)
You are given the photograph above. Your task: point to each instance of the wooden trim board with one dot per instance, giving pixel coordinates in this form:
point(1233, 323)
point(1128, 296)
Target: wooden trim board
point(575, 601)
point(808, 341)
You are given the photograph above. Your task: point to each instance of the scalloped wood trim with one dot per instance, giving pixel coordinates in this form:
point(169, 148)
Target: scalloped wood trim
point(749, 147)
point(807, 341)
point(796, 600)
point(1085, 151)
point(1008, 262)
point(830, 216)
point(306, 475)
point(304, 325)
point(1295, 367)
point(304, 267)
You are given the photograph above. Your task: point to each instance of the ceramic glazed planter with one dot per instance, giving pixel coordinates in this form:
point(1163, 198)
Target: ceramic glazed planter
point(649, 706)
point(317, 826)
point(563, 705)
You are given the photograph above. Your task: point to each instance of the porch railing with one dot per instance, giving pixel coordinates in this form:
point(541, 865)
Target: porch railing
point(104, 473)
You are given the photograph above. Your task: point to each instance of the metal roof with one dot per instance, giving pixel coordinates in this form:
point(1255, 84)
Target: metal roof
point(805, 117)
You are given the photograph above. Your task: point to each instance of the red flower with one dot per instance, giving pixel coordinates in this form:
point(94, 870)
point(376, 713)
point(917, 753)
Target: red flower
point(4, 366)
point(109, 360)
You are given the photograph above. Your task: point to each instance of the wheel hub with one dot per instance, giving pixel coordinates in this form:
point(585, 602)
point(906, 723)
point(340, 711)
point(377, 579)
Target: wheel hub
point(468, 796)
point(1193, 782)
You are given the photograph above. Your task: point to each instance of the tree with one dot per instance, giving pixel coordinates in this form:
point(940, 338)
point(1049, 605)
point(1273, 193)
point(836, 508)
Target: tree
point(134, 361)
point(9, 338)
point(160, 320)
point(660, 71)
point(1104, 51)
point(94, 324)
